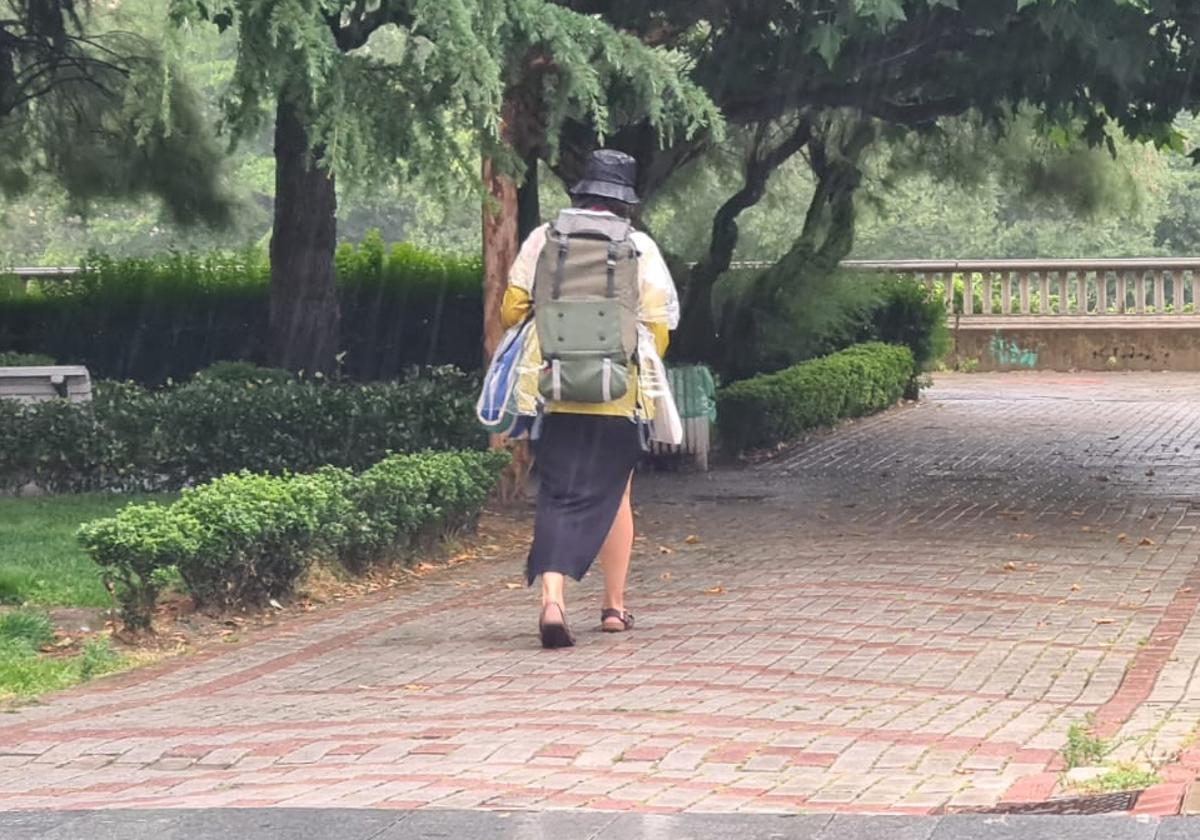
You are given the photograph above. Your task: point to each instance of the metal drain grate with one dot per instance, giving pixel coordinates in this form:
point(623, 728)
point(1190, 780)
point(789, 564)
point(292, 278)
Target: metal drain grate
point(1082, 806)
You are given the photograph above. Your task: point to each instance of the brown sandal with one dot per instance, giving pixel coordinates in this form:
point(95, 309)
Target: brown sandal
point(555, 634)
point(626, 619)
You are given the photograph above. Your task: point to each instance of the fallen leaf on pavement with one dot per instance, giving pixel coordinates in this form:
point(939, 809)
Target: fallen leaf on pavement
point(665, 576)
point(662, 549)
point(512, 586)
point(716, 590)
point(1010, 567)
point(1075, 587)
point(1146, 541)
point(1105, 621)
point(692, 540)
point(1122, 538)
point(416, 687)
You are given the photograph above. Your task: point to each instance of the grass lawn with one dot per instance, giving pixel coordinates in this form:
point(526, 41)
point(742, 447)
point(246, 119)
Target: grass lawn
point(26, 671)
point(41, 564)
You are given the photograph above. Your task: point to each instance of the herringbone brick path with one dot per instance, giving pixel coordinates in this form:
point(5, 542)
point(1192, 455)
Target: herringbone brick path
point(906, 615)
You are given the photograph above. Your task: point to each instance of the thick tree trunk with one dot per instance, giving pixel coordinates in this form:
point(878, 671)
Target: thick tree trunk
point(529, 204)
point(304, 316)
point(499, 251)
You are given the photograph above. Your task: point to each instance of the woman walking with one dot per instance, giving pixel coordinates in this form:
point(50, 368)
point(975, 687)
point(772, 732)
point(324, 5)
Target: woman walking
point(603, 303)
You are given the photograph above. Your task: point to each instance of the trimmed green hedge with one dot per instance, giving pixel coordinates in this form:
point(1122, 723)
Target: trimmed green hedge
point(131, 439)
point(163, 319)
point(244, 539)
point(25, 360)
point(772, 409)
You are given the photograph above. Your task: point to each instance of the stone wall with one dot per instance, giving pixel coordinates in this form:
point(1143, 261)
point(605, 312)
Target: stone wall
point(1170, 345)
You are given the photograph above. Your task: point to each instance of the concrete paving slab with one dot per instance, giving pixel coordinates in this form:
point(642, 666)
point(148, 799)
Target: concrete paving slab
point(492, 825)
point(981, 827)
point(848, 827)
point(717, 827)
point(1179, 828)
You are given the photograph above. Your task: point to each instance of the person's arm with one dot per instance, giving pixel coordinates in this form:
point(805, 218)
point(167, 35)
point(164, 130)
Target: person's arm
point(662, 337)
point(518, 296)
point(516, 307)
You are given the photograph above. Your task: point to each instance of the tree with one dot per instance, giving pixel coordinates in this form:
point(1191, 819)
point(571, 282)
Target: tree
point(359, 88)
point(559, 65)
point(845, 74)
point(101, 112)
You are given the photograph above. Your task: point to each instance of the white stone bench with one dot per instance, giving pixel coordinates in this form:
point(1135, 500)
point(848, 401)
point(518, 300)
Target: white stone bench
point(38, 384)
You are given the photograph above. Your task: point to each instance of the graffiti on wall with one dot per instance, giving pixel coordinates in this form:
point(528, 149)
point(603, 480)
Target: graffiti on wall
point(1007, 353)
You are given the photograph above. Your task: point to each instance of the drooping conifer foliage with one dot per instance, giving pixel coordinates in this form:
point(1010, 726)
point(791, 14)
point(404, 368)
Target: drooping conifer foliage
point(101, 112)
point(359, 87)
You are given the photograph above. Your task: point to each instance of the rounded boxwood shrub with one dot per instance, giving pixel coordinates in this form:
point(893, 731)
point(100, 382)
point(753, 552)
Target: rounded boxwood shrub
point(244, 539)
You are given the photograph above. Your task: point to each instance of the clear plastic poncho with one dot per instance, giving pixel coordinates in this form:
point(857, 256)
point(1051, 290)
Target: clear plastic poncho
point(658, 304)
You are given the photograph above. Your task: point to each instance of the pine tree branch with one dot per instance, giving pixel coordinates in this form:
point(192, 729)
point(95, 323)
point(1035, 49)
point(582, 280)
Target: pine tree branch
point(363, 24)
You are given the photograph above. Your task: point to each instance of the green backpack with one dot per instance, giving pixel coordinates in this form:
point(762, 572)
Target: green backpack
point(585, 296)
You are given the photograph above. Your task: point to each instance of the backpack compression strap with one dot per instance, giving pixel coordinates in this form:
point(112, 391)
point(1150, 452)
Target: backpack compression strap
point(564, 242)
point(611, 289)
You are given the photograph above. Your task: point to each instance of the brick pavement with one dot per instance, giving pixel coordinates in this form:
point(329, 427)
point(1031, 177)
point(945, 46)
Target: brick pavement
point(904, 616)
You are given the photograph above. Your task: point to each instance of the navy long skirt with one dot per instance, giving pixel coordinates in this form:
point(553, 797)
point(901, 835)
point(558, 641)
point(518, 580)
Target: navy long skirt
point(584, 464)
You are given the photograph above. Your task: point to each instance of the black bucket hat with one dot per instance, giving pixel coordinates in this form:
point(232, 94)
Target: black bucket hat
point(609, 174)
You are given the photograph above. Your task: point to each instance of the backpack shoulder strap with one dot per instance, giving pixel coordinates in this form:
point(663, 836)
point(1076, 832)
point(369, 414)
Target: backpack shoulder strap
point(560, 240)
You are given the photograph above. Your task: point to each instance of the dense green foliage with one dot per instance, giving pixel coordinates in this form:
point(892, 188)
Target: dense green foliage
point(99, 110)
point(843, 97)
point(154, 320)
point(779, 407)
point(406, 307)
point(244, 539)
point(132, 439)
point(834, 311)
point(25, 360)
point(421, 83)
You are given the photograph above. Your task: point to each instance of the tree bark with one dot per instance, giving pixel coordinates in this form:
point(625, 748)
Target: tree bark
point(304, 313)
point(499, 251)
point(529, 205)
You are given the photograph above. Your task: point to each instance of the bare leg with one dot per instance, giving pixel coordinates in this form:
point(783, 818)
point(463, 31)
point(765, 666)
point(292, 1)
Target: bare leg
point(615, 555)
point(553, 624)
point(552, 590)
